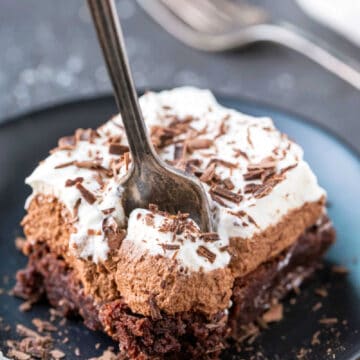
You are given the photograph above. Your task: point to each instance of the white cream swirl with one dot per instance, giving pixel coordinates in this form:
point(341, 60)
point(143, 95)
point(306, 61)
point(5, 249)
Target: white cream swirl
point(236, 138)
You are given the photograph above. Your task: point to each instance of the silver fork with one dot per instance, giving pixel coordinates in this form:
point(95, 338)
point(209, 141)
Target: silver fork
point(150, 180)
point(219, 25)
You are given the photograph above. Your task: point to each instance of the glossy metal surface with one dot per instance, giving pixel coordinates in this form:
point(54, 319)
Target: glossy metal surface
point(212, 25)
point(150, 180)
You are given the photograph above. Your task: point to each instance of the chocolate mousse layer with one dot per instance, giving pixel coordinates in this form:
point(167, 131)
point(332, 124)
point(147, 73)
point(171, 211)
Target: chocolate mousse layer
point(188, 334)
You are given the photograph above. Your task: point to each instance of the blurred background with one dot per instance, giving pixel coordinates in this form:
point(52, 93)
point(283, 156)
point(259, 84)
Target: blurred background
point(49, 54)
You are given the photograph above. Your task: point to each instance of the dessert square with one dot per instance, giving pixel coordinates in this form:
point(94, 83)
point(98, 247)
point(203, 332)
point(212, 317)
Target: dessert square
point(154, 282)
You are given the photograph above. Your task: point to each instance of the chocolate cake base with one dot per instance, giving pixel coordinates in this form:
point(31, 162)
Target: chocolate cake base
point(186, 335)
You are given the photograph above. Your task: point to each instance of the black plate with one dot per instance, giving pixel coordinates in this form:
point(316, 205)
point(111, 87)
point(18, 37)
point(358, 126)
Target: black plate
point(26, 140)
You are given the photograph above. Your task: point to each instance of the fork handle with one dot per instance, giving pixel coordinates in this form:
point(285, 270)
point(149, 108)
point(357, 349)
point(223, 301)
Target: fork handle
point(112, 42)
point(313, 48)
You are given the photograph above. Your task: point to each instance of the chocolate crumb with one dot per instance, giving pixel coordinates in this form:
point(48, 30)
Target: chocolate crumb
point(26, 306)
point(20, 243)
point(18, 355)
point(154, 309)
point(106, 355)
point(317, 306)
point(339, 269)
point(328, 321)
point(315, 338)
point(57, 354)
point(42, 325)
point(274, 314)
point(321, 292)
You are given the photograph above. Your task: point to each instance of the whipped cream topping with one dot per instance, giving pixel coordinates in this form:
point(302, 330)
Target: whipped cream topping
point(153, 233)
point(253, 176)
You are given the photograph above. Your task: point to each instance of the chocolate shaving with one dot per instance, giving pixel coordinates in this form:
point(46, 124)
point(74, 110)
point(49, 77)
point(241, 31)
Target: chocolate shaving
point(206, 253)
point(240, 214)
point(149, 219)
point(86, 135)
point(76, 208)
point(60, 166)
point(248, 137)
point(67, 143)
point(222, 127)
point(113, 233)
point(267, 174)
point(209, 173)
point(218, 199)
point(267, 163)
point(70, 182)
point(262, 191)
point(224, 163)
point(251, 188)
point(226, 194)
point(179, 151)
point(228, 184)
point(87, 195)
point(210, 236)
point(288, 168)
point(127, 160)
point(162, 136)
point(196, 144)
point(252, 221)
point(170, 246)
point(253, 174)
point(118, 149)
point(154, 308)
point(108, 211)
point(241, 153)
point(93, 165)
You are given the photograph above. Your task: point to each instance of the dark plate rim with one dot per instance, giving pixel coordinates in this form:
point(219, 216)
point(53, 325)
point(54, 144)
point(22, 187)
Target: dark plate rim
point(51, 106)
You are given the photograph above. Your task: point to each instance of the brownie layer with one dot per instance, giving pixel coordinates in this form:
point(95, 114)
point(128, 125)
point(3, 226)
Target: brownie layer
point(191, 334)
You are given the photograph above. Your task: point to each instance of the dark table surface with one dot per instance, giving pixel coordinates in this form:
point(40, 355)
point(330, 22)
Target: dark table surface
point(49, 54)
